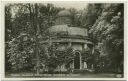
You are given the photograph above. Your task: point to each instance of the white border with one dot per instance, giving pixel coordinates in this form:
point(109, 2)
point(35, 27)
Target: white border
point(38, 1)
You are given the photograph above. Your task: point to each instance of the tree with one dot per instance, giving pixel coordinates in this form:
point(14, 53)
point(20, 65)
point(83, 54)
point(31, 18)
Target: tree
point(30, 20)
point(108, 29)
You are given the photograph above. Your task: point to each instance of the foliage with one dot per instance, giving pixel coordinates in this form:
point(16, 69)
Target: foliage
point(108, 29)
point(32, 20)
point(20, 52)
point(58, 57)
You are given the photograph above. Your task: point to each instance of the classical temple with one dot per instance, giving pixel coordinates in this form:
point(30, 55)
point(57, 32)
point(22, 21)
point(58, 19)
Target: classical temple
point(68, 36)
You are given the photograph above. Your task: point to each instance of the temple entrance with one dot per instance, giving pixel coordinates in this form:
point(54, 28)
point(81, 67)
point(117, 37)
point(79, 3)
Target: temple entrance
point(77, 61)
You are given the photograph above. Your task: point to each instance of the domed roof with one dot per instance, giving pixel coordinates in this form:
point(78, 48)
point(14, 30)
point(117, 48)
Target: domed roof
point(75, 31)
point(64, 13)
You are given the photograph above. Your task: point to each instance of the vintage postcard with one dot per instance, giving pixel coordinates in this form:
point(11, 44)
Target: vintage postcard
point(64, 39)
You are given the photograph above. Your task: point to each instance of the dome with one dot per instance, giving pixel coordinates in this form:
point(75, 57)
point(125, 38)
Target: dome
point(64, 13)
point(72, 31)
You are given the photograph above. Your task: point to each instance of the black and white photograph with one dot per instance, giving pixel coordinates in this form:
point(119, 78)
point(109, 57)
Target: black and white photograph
point(64, 39)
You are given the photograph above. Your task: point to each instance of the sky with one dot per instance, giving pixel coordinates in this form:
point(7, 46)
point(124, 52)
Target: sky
point(79, 5)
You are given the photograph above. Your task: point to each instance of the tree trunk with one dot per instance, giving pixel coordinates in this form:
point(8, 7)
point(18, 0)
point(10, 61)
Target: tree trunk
point(33, 9)
point(37, 39)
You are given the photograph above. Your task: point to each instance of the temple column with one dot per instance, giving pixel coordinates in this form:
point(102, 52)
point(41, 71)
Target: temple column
point(85, 46)
point(80, 61)
point(85, 65)
point(69, 44)
point(73, 64)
